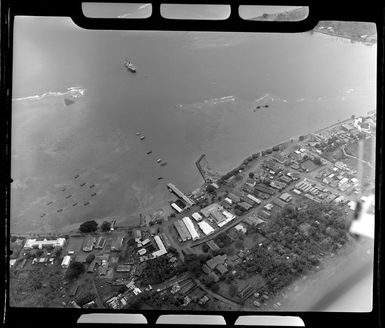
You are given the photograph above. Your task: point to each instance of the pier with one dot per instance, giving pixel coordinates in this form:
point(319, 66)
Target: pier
point(200, 169)
point(180, 194)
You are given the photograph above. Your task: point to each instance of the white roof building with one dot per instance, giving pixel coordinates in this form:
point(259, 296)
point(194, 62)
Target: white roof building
point(190, 227)
point(176, 208)
point(66, 262)
point(142, 251)
point(162, 250)
point(254, 199)
point(30, 243)
point(206, 228)
point(196, 216)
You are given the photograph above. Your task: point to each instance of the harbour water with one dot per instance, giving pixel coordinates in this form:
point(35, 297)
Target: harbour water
point(193, 93)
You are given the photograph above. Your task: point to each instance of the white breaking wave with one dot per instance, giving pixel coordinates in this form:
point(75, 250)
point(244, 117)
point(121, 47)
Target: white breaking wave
point(75, 92)
point(208, 102)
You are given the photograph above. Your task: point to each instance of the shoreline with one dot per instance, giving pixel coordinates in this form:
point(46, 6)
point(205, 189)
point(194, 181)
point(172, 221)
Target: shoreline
point(149, 208)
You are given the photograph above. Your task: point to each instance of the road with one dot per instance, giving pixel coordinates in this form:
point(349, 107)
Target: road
point(234, 306)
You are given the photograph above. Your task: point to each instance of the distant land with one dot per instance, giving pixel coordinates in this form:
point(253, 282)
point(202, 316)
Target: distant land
point(356, 31)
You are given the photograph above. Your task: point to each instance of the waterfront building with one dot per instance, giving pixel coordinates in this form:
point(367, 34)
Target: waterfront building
point(161, 249)
point(211, 208)
point(165, 239)
point(137, 234)
point(88, 244)
point(36, 243)
point(196, 216)
point(66, 262)
point(176, 208)
point(190, 227)
point(182, 230)
point(101, 241)
point(117, 244)
point(205, 227)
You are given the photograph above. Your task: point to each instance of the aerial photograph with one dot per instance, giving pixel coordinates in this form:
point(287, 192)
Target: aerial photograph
point(199, 171)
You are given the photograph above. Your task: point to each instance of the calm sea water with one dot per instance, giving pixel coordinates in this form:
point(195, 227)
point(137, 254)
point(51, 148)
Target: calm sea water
point(193, 93)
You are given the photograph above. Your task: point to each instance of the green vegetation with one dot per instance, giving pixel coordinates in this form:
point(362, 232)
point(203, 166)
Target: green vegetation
point(294, 243)
point(106, 226)
point(194, 263)
point(36, 288)
point(74, 270)
point(158, 270)
point(88, 226)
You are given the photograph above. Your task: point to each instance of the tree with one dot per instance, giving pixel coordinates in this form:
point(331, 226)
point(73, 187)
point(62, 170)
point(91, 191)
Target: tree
point(205, 248)
point(210, 189)
point(301, 138)
point(251, 175)
point(39, 252)
point(75, 270)
point(88, 226)
point(233, 290)
point(13, 239)
point(106, 226)
point(172, 215)
point(317, 161)
point(90, 258)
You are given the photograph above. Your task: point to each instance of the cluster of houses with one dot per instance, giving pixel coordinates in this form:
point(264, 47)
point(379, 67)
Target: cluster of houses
point(121, 300)
point(340, 177)
point(205, 222)
point(344, 134)
point(319, 194)
point(148, 250)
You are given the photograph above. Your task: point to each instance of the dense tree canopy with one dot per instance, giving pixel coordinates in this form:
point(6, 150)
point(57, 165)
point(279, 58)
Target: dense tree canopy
point(74, 270)
point(106, 226)
point(88, 226)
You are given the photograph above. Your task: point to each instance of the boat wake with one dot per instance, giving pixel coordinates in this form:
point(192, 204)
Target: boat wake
point(207, 102)
point(74, 92)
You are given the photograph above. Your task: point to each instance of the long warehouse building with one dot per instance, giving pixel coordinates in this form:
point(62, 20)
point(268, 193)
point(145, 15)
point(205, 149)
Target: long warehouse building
point(182, 230)
point(190, 227)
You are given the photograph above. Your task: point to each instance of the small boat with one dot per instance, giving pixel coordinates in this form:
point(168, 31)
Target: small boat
point(76, 176)
point(258, 107)
point(85, 204)
point(83, 184)
point(163, 164)
point(91, 186)
point(74, 204)
point(138, 134)
point(130, 66)
point(43, 215)
point(149, 152)
point(69, 196)
point(49, 203)
point(94, 194)
point(160, 178)
point(266, 106)
point(59, 210)
point(142, 137)
point(63, 189)
point(159, 160)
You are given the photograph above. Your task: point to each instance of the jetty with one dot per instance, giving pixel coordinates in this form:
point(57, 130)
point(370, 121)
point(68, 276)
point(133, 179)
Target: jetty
point(200, 169)
point(180, 194)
